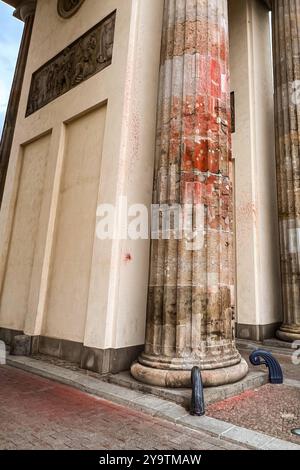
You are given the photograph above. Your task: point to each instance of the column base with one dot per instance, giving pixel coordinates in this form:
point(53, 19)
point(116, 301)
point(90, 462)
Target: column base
point(182, 378)
point(289, 333)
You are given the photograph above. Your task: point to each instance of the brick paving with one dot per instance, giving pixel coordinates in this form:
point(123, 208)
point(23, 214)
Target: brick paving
point(37, 413)
point(271, 409)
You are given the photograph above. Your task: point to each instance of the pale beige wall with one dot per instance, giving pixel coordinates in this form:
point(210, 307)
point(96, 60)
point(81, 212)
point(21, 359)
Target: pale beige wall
point(25, 234)
point(258, 272)
point(108, 305)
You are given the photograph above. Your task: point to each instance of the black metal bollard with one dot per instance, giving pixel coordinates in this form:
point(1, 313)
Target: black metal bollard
point(260, 357)
point(197, 404)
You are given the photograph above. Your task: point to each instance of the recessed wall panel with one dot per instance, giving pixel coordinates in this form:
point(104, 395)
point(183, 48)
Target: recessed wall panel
point(25, 234)
point(75, 231)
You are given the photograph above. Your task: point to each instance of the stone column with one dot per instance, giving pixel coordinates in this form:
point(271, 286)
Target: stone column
point(25, 12)
point(190, 319)
point(286, 46)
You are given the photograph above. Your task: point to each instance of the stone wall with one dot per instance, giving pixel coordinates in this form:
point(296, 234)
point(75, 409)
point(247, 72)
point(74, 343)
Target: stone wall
point(89, 145)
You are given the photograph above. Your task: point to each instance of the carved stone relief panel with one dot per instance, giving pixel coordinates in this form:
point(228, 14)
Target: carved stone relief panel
point(85, 57)
point(67, 8)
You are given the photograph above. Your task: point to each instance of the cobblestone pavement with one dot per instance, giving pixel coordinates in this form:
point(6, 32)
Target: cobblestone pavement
point(37, 413)
point(271, 409)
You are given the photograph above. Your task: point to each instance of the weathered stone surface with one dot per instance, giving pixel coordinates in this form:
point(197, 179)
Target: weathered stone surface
point(21, 345)
point(190, 306)
point(182, 378)
point(286, 44)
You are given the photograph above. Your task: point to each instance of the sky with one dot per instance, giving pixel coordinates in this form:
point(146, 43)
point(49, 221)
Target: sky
point(10, 37)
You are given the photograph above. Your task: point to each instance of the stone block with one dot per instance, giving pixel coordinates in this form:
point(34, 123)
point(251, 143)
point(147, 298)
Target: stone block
point(205, 423)
point(21, 345)
point(247, 436)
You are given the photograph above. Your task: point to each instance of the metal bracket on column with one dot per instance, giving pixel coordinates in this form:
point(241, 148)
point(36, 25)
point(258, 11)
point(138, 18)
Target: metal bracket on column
point(259, 357)
point(197, 404)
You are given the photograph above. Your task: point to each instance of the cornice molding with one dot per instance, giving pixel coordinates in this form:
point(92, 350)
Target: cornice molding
point(25, 9)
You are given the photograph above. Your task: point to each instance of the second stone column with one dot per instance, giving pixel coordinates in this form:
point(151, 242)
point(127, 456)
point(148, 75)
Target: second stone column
point(190, 318)
point(286, 47)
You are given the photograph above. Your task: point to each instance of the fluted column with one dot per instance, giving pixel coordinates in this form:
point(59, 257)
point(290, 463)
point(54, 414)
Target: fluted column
point(286, 46)
point(190, 319)
point(25, 12)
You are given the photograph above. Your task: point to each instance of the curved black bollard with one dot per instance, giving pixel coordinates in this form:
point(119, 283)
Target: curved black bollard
point(197, 404)
point(259, 357)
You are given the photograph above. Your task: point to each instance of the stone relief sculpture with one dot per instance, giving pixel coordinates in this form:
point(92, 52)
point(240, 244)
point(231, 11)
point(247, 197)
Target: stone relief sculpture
point(67, 8)
point(106, 43)
point(85, 57)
